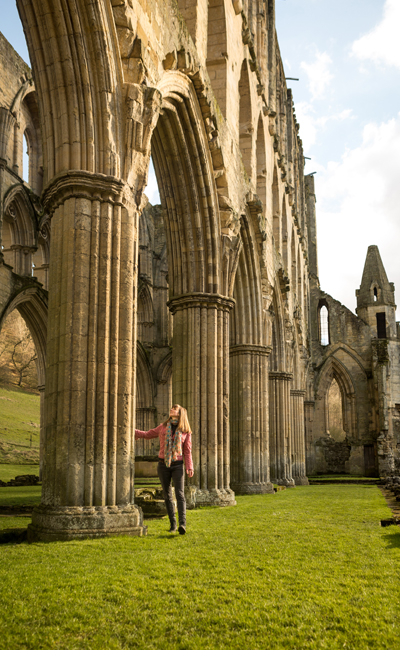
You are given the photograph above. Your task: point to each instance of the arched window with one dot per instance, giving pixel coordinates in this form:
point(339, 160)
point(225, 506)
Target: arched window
point(375, 294)
point(25, 159)
point(324, 325)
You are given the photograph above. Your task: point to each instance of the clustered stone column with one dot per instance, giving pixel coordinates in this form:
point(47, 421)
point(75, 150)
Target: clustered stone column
point(249, 419)
point(90, 388)
point(41, 443)
point(309, 407)
point(280, 428)
point(200, 383)
point(298, 437)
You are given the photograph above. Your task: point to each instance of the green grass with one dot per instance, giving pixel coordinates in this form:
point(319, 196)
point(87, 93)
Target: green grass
point(20, 496)
point(308, 568)
point(20, 416)
point(14, 522)
point(341, 477)
point(8, 472)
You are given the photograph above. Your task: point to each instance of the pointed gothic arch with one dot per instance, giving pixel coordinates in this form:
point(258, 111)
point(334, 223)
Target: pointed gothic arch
point(335, 369)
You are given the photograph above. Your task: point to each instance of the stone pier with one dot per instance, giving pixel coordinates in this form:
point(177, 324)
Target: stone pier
point(249, 419)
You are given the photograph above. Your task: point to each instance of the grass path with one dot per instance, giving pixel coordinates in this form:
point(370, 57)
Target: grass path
point(308, 568)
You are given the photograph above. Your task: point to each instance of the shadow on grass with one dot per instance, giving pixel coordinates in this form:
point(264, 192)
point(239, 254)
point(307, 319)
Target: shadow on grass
point(393, 540)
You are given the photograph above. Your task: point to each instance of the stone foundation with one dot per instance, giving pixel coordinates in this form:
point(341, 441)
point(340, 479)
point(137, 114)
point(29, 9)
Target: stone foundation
point(66, 523)
point(200, 498)
point(301, 480)
point(253, 488)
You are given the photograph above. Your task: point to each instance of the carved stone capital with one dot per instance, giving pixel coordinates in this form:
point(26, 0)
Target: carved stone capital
point(281, 376)
point(85, 185)
point(197, 299)
point(255, 350)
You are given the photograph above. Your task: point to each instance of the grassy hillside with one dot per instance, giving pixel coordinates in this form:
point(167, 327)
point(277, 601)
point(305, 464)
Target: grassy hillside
point(19, 426)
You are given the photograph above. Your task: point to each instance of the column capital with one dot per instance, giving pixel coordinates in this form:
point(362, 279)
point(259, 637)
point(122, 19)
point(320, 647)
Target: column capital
point(198, 299)
point(248, 348)
point(297, 392)
point(281, 376)
point(85, 185)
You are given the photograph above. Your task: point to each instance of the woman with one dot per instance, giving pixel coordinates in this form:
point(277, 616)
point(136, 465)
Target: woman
point(175, 443)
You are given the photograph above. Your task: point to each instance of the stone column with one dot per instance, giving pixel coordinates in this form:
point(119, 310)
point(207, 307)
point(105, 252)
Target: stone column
point(309, 406)
point(41, 439)
point(249, 419)
point(299, 450)
point(200, 382)
point(90, 366)
point(280, 428)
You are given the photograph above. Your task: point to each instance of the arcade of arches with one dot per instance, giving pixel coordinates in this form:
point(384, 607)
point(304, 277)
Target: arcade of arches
point(210, 299)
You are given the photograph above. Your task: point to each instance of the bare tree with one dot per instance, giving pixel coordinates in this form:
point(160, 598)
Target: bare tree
point(22, 357)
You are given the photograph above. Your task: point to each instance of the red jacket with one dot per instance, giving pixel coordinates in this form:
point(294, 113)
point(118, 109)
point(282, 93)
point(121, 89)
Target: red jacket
point(161, 432)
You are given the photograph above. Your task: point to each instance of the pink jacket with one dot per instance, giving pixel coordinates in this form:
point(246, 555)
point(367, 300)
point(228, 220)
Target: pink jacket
point(161, 432)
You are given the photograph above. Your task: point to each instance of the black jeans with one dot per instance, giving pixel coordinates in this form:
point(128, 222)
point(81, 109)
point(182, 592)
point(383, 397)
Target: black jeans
point(177, 473)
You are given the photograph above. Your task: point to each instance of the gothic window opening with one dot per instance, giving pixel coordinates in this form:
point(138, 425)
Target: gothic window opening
point(25, 159)
point(375, 294)
point(324, 325)
point(335, 412)
point(381, 325)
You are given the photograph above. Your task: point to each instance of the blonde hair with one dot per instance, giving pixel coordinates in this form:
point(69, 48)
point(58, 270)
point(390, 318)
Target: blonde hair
point(183, 422)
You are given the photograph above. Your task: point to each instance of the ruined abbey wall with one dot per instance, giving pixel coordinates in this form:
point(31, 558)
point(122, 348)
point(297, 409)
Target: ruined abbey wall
point(210, 299)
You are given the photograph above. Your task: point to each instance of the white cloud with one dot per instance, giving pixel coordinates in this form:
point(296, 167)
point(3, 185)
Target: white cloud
point(359, 205)
point(382, 44)
point(319, 76)
point(310, 124)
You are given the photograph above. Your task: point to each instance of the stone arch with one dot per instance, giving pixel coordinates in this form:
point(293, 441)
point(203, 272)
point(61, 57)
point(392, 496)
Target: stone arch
point(246, 127)
point(76, 126)
point(183, 169)
point(196, 275)
point(276, 217)
point(293, 258)
point(261, 163)
point(31, 129)
point(145, 409)
point(249, 374)
point(217, 52)
point(19, 230)
point(285, 236)
point(31, 302)
point(334, 369)
point(145, 313)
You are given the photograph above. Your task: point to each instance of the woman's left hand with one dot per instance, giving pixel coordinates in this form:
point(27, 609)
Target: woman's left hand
point(190, 472)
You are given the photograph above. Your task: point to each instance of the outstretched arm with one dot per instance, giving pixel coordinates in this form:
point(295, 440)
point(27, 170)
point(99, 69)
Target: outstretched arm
point(152, 433)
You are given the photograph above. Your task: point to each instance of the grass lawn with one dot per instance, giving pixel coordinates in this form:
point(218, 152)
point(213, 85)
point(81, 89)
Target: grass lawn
point(19, 421)
point(7, 472)
point(308, 568)
point(14, 522)
point(20, 496)
point(342, 477)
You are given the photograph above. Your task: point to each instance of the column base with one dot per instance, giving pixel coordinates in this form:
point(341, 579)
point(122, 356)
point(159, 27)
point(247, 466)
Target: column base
point(289, 483)
point(253, 488)
point(196, 498)
point(301, 480)
point(63, 523)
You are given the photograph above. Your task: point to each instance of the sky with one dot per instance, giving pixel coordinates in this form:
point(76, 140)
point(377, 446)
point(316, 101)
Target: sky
point(346, 54)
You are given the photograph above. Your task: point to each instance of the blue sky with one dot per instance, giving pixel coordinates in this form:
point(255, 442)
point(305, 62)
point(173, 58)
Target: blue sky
point(347, 57)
